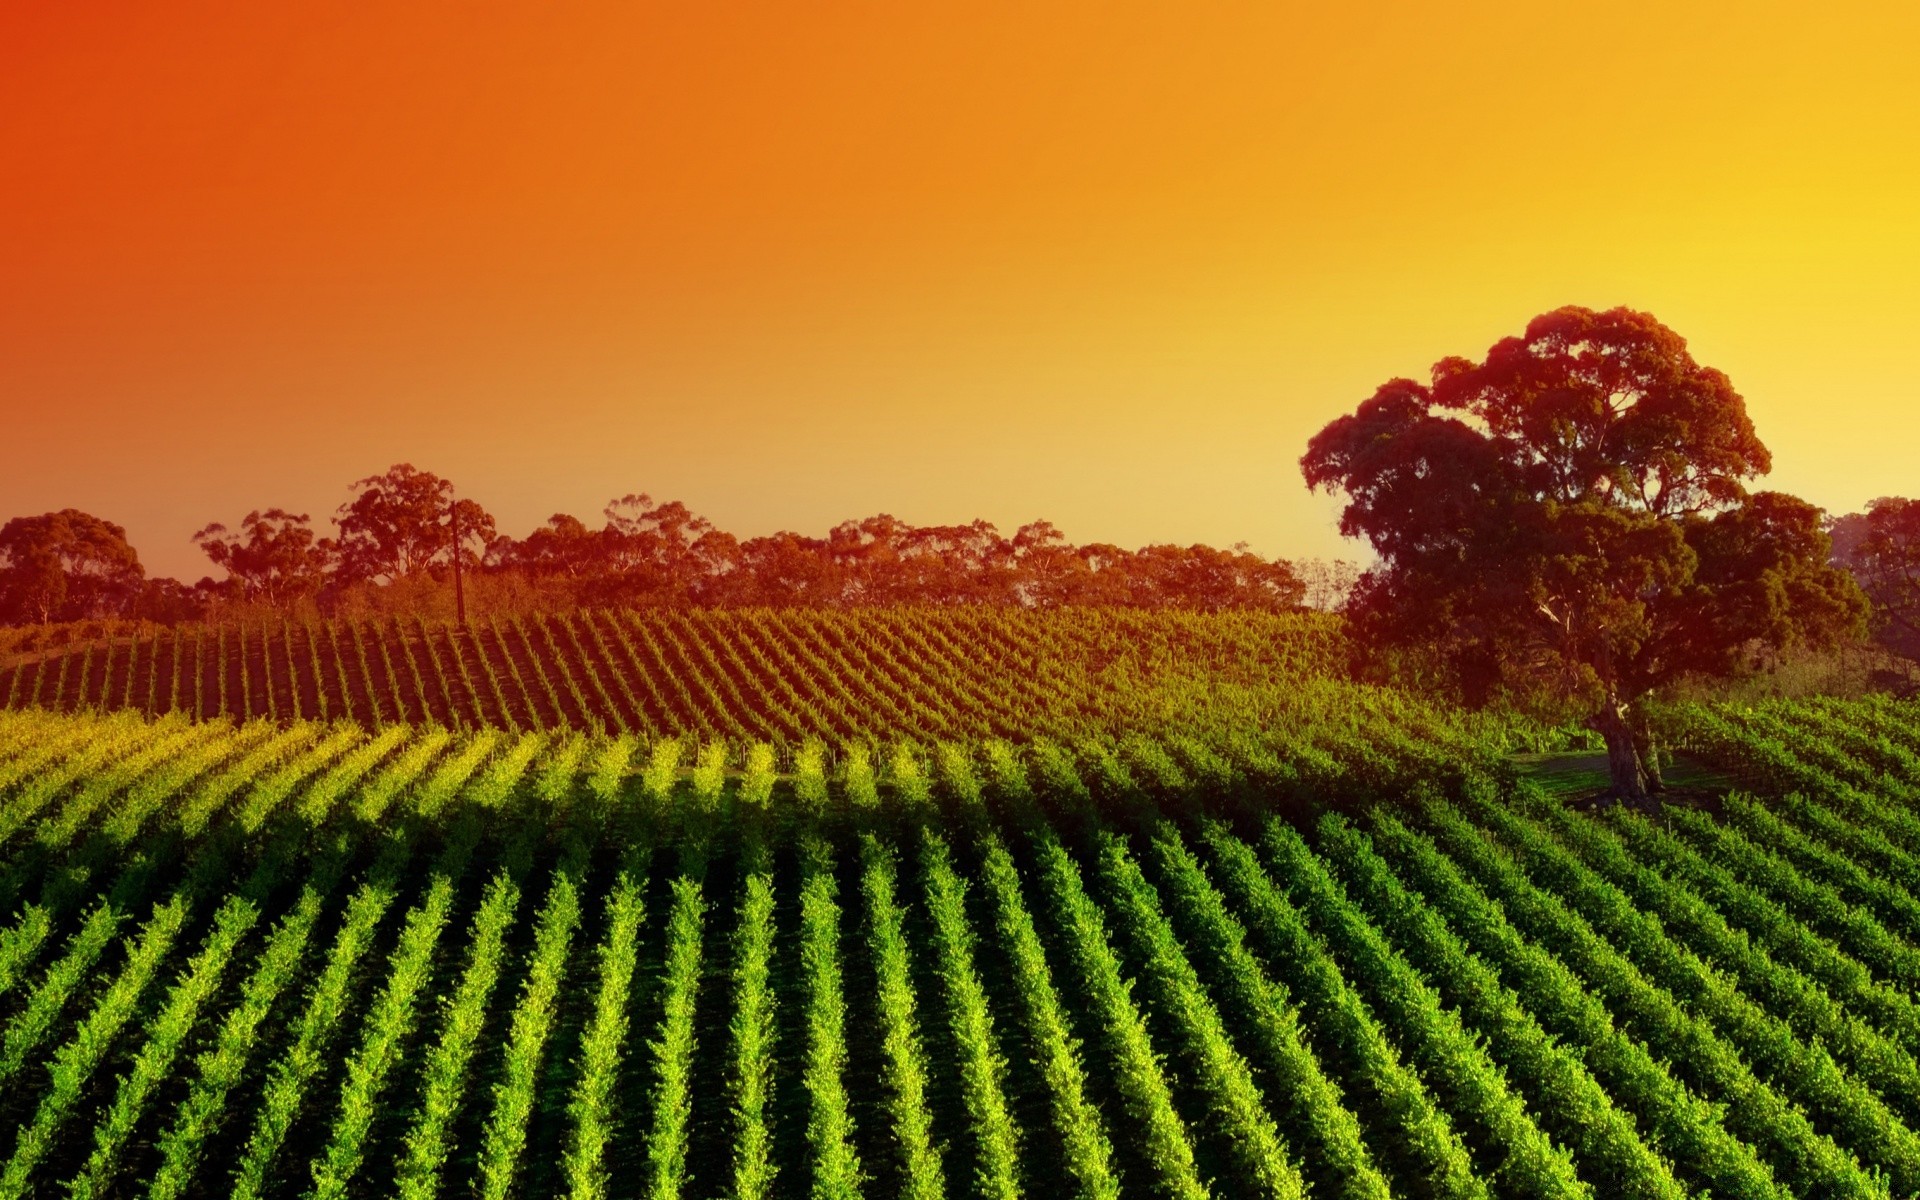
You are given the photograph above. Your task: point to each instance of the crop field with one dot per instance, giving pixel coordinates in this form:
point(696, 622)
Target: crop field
point(1355, 956)
point(744, 675)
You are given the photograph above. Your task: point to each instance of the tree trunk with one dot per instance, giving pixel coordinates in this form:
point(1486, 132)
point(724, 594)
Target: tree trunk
point(1624, 763)
point(1649, 747)
point(1650, 764)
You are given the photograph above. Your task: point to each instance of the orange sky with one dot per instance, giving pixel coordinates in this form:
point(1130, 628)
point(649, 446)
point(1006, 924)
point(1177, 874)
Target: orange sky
point(1111, 264)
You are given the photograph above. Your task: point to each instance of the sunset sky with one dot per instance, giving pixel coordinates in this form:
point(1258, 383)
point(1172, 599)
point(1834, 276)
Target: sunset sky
point(1111, 264)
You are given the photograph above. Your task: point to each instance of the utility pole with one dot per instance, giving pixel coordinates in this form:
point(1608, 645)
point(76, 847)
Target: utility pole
point(459, 591)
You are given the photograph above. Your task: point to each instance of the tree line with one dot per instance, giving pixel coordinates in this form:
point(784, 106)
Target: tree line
point(398, 540)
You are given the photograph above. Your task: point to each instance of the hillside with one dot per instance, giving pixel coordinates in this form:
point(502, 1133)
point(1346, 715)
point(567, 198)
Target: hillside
point(776, 675)
point(304, 959)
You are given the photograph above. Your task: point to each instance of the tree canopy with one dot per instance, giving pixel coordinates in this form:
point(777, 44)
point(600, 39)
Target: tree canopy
point(395, 548)
point(399, 525)
point(273, 558)
point(65, 566)
point(1881, 547)
point(651, 553)
point(1569, 519)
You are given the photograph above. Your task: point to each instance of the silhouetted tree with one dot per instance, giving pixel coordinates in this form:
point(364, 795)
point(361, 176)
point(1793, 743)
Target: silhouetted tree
point(1570, 518)
point(170, 602)
point(1328, 582)
point(1881, 547)
point(396, 530)
point(564, 547)
point(1105, 576)
point(397, 526)
point(1210, 580)
point(65, 566)
point(786, 570)
point(274, 558)
point(660, 553)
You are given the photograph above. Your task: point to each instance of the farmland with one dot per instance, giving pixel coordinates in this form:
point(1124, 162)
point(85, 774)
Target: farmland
point(780, 676)
point(1348, 953)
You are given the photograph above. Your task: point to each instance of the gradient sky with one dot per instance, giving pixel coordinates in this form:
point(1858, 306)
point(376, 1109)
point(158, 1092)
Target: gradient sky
point(1111, 264)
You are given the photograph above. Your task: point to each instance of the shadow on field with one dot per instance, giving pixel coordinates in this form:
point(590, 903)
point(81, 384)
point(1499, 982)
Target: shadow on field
point(1580, 779)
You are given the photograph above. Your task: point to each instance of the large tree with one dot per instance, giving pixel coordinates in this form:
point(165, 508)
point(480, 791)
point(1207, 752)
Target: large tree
point(65, 566)
point(1568, 519)
point(399, 524)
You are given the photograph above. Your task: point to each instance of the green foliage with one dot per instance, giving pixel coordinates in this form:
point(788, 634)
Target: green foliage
point(388, 1023)
point(1688, 1128)
point(837, 1174)
point(74, 1063)
point(240, 956)
point(602, 1047)
point(673, 1046)
point(1222, 1070)
point(220, 1068)
point(754, 1031)
point(876, 676)
point(1399, 1111)
point(1089, 1153)
point(445, 1073)
point(982, 1068)
point(1134, 1059)
point(1557, 1085)
point(505, 1135)
point(1625, 956)
point(905, 1072)
point(1333, 1147)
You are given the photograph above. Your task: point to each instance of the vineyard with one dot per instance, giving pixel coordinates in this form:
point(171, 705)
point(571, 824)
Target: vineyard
point(1350, 956)
point(781, 676)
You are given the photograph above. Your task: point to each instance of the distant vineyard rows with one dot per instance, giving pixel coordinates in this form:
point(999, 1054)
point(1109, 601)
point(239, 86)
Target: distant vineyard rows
point(319, 961)
point(778, 676)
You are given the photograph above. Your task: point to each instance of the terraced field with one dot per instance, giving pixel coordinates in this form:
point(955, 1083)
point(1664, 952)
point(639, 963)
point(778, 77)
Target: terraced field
point(1352, 956)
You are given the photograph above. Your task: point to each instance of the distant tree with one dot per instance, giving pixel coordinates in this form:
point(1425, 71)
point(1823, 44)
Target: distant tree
point(786, 570)
point(398, 525)
point(273, 559)
point(661, 553)
point(170, 602)
point(66, 566)
point(1046, 570)
point(1329, 582)
point(1105, 578)
point(1569, 520)
point(953, 564)
point(563, 547)
point(867, 552)
point(884, 560)
point(1212, 580)
point(1881, 547)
